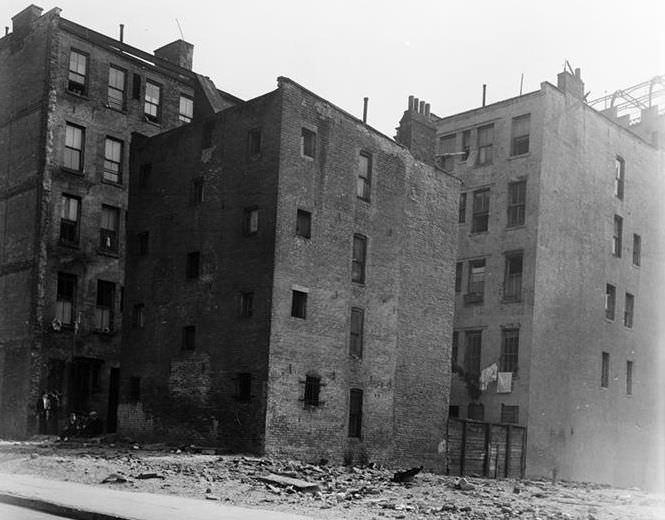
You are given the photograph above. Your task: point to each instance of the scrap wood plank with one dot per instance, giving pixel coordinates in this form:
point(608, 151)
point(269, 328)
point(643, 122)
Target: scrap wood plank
point(298, 484)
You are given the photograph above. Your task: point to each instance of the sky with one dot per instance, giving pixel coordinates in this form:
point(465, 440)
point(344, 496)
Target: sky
point(440, 51)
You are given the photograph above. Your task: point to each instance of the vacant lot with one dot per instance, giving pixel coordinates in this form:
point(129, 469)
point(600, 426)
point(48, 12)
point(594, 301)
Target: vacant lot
point(360, 493)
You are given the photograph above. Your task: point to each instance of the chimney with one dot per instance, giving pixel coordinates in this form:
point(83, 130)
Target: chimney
point(571, 84)
point(179, 52)
point(417, 132)
point(22, 22)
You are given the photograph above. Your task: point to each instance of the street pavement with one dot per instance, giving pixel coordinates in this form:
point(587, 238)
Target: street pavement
point(8, 512)
point(85, 502)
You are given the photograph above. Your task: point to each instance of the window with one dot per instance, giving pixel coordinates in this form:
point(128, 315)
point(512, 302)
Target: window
point(485, 144)
point(459, 273)
point(516, 203)
point(359, 259)
point(108, 231)
point(307, 143)
point(254, 142)
point(246, 304)
point(113, 160)
point(510, 343)
point(69, 219)
point(610, 301)
point(466, 144)
point(454, 353)
point(446, 149)
point(134, 389)
point(78, 71)
point(299, 304)
point(137, 316)
point(629, 378)
point(136, 86)
point(193, 265)
point(186, 111)
point(145, 172)
point(116, 88)
point(144, 243)
point(628, 311)
point(637, 249)
point(355, 413)
point(105, 306)
point(74, 139)
point(520, 135)
point(481, 211)
point(619, 174)
point(312, 391)
point(304, 223)
point(151, 107)
point(197, 191)
point(476, 287)
point(243, 383)
point(472, 352)
point(461, 218)
point(356, 340)
point(206, 136)
point(453, 410)
point(65, 298)
point(364, 181)
point(475, 411)
point(189, 337)
point(251, 224)
point(616, 236)
point(510, 414)
point(512, 283)
point(605, 370)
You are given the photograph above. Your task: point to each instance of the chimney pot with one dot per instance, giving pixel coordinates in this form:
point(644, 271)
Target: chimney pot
point(122, 32)
point(427, 109)
point(416, 102)
point(410, 102)
point(421, 108)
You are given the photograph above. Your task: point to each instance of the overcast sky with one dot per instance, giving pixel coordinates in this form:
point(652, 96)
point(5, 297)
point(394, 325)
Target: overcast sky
point(440, 51)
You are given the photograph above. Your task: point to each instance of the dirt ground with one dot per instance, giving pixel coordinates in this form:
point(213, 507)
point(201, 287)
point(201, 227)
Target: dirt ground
point(359, 493)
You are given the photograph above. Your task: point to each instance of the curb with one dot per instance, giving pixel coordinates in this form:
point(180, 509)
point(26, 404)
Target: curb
point(55, 509)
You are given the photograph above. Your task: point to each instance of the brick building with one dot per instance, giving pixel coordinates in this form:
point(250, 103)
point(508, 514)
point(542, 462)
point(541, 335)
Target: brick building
point(559, 278)
point(290, 283)
point(70, 99)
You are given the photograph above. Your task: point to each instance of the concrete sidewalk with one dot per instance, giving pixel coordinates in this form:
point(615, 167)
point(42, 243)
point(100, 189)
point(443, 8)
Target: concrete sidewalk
point(98, 503)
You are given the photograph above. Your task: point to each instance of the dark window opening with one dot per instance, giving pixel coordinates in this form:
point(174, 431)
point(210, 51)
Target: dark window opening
point(246, 304)
point(359, 259)
point(454, 352)
point(610, 301)
point(109, 229)
point(134, 389)
point(510, 343)
point(475, 411)
point(629, 378)
point(145, 172)
point(136, 86)
point(304, 223)
point(481, 211)
point(308, 143)
point(65, 299)
point(476, 286)
point(312, 391)
point(138, 316)
point(197, 191)
point(78, 71)
point(605, 370)
point(356, 339)
point(637, 249)
point(466, 144)
point(453, 410)
point(512, 284)
point(144, 243)
point(619, 176)
point(69, 219)
point(189, 337)
point(520, 137)
point(459, 273)
point(355, 413)
point(510, 414)
point(472, 353)
point(299, 304)
point(629, 308)
point(364, 180)
point(104, 311)
point(461, 217)
point(516, 203)
point(193, 265)
point(254, 142)
point(616, 236)
point(243, 384)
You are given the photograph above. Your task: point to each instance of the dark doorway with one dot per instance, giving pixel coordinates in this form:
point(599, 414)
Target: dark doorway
point(112, 414)
point(83, 382)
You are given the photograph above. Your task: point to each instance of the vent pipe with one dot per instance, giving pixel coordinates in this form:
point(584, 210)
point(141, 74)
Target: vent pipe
point(365, 102)
point(122, 32)
point(484, 93)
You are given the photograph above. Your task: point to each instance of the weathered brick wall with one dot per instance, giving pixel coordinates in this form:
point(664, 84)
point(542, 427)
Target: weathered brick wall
point(319, 345)
point(191, 393)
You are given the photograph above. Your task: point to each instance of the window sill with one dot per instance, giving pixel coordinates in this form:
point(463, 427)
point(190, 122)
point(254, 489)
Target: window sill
point(298, 318)
point(156, 122)
point(511, 300)
point(105, 333)
point(119, 110)
point(368, 201)
point(76, 95)
point(112, 183)
point(307, 157)
point(477, 233)
point(106, 252)
point(519, 226)
point(483, 165)
point(357, 283)
point(519, 156)
point(608, 320)
point(69, 245)
point(78, 173)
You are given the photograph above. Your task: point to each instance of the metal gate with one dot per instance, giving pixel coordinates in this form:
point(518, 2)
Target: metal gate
point(483, 449)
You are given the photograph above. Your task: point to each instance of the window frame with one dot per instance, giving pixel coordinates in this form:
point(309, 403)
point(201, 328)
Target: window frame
point(246, 304)
point(109, 235)
point(299, 304)
point(355, 413)
point(198, 191)
point(512, 281)
point(517, 141)
point(149, 103)
point(364, 178)
point(113, 165)
point(83, 86)
point(61, 301)
point(111, 101)
point(105, 306)
point(358, 260)
point(254, 143)
point(485, 142)
point(447, 145)
point(473, 347)
point(510, 348)
point(138, 316)
point(480, 211)
point(617, 236)
point(459, 276)
point(629, 310)
point(610, 301)
point(475, 291)
point(307, 143)
point(188, 338)
point(629, 376)
point(303, 223)
point(516, 208)
point(619, 177)
point(312, 392)
point(183, 116)
point(251, 221)
point(510, 414)
point(193, 265)
point(79, 153)
point(356, 332)
point(74, 226)
point(243, 387)
point(637, 250)
point(461, 212)
point(605, 370)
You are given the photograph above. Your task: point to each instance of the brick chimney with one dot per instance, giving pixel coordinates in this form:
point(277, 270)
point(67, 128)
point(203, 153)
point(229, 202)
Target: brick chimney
point(179, 52)
point(571, 84)
point(22, 22)
point(417, 132)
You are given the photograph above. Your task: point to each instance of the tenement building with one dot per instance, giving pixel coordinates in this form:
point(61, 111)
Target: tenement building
point(559, 278)
point(290, 286)
point(70, 99)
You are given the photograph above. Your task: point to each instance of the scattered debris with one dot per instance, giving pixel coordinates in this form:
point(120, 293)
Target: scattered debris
point(114, 478)
point(297, 484)
point(407, 475)
point(145, 476)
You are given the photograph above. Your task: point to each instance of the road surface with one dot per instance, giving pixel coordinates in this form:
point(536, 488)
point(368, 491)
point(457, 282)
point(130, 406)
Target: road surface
point(8, 512)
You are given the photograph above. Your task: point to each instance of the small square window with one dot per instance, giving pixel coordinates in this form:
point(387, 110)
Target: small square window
point(304, 223)
point(453, 410)
point(189, 337)
point(299, 304)
point(308, 143)
point(246, 304)
point(254, 142)
point(193, 265)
